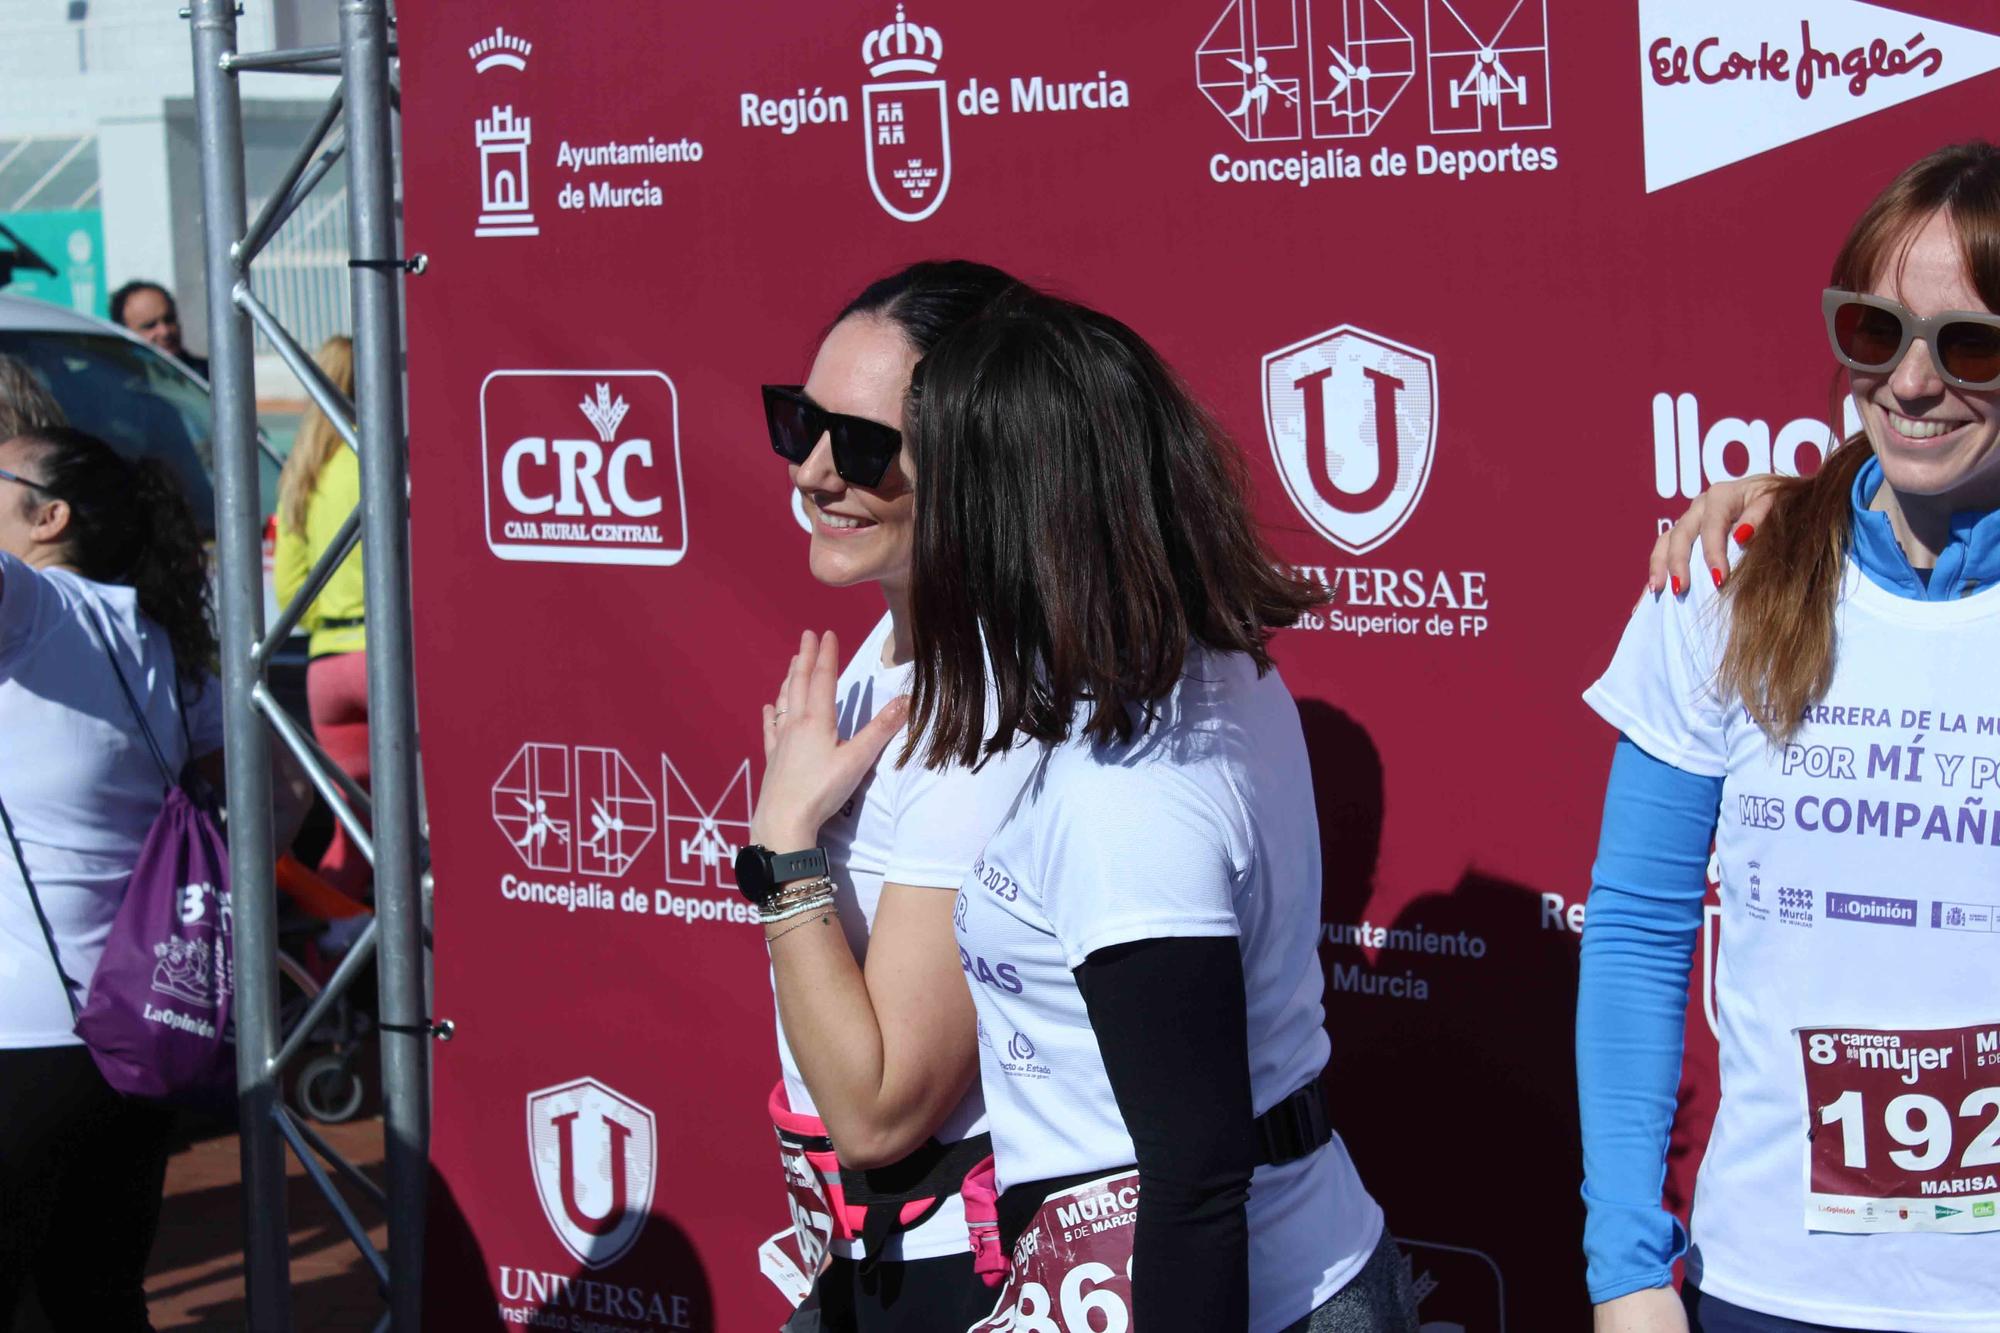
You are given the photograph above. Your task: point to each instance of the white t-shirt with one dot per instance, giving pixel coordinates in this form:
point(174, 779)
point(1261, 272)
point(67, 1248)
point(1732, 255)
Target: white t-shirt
point(76, 776)
point(914, 826)
point(1853, 896)
point(1203, 825)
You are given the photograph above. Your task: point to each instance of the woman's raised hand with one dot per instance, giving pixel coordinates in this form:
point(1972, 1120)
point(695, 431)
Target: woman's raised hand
point(809, 772)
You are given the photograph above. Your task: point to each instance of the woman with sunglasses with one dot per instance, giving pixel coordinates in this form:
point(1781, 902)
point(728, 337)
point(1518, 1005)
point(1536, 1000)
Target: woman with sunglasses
point(1089, 584)
point(855, 862)
point(1826, 718)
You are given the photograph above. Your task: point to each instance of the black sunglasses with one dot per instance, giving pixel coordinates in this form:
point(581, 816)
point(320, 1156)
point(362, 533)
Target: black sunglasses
point(862, 449)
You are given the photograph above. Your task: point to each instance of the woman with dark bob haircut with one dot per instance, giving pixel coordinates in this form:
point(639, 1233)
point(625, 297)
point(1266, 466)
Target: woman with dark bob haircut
point(1087, 578)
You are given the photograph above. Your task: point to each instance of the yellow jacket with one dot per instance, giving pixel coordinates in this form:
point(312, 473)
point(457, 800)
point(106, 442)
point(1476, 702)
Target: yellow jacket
point(335, 496)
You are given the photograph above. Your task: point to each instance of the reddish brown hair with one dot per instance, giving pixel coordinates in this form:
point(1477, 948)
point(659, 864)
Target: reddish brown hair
point(1784, 592)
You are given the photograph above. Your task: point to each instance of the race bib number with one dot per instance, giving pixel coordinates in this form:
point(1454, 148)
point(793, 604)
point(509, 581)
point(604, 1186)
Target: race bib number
point(1072, 1268)
point(812, 1214)
point(1903, 1129)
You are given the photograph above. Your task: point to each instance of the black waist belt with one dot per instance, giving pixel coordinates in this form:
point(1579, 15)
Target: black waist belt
point(933, 1172)
point(1296, 1127)
point(341, 622)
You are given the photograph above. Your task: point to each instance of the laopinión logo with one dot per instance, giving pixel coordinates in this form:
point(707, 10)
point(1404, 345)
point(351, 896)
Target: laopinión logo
point(594, 1153)
point(564, 496)
point(1722, 83)
point(1331, 72)
point(906, 112)
point(1870, 909)
point(582, 815)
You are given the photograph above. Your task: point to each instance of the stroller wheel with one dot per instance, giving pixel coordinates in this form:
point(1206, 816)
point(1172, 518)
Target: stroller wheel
point(328, 1090)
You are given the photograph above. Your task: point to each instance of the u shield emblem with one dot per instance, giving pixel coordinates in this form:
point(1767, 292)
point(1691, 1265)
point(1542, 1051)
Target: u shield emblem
point(1352, 421)
point(595, 1154)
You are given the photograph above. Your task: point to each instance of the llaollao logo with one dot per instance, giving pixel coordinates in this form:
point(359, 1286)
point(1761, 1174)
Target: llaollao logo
point(1352, 419)
point(595, 1158)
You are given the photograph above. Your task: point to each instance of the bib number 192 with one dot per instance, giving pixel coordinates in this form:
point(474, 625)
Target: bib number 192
point(1903, 1129)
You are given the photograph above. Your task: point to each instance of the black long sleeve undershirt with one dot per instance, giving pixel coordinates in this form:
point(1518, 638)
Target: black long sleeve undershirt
point(1169, 1015)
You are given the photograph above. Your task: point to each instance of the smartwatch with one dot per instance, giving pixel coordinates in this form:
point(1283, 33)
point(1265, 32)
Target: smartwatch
point(760, 873)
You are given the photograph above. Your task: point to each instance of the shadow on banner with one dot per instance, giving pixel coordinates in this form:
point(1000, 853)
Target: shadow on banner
point(1452, 1079)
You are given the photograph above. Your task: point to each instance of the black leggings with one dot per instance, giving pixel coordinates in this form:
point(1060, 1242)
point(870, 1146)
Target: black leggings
point(81, 1170)
point(940, 1295)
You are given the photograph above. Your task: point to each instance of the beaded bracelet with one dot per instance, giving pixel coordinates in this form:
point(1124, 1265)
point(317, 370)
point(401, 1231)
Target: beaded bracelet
point(793, 894)
point(771, 917)
point(789, 929)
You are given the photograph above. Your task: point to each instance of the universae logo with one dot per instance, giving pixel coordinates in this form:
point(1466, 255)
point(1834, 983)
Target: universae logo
point(595, 1155)
point(1352, 419)
point(566, 497)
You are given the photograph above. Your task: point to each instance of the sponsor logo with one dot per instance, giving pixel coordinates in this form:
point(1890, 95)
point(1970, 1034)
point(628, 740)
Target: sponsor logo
point(502, 50)
point(1689, 457)
point(1871, 910)
point(198, 966)
point(1984, 1208)
point(1018, 1059)
point(1333, 71)
point(1977, 917)
point(1352, 421)
point(1722, 83)
point(611, 495)
point(1944, 1212)
point(585, 812)
point(906, 121)
point(1795, 906)
point(594, 1153)
point(703, 837)
point(504, 206)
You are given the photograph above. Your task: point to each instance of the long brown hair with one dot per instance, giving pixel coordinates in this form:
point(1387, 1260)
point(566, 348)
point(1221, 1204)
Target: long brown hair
point(317, 439)
point(1079, 520)
point(1783, 595)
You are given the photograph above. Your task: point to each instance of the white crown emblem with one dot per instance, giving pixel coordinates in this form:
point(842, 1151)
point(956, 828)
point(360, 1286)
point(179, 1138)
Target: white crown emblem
point(900, 46)
point(604, 412)
point(499, 49)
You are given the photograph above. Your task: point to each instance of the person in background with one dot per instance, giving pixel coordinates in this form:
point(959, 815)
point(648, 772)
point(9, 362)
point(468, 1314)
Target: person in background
point(318, 488)
point(91, 544)
point(25, 402)
point(148, 310)
point(1848, 1177)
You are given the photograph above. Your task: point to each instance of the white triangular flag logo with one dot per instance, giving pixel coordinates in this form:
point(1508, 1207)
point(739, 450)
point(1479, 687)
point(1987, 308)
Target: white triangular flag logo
point(1725, 80)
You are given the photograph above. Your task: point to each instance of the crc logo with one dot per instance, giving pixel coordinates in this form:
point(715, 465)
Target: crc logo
point(1352, 419)
point(906, 122)
point(583, 467)
point(594, 817)
point(595, 1153)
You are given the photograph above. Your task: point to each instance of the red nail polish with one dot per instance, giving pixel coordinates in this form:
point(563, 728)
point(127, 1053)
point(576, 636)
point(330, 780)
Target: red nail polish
point(1717, 575)
point(1744, 532)
point(1679, 587)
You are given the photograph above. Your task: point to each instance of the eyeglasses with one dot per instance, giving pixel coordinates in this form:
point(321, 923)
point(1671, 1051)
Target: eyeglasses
point(1871, 333)
point(862, 449)
point(5, 475)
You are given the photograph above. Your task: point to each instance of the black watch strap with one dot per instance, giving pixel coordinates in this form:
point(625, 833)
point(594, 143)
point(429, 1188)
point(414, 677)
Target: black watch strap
point(789, 866)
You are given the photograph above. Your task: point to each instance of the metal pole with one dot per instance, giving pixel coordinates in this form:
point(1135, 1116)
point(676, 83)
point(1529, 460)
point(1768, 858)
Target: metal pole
point(392, 721)
point(246, 745)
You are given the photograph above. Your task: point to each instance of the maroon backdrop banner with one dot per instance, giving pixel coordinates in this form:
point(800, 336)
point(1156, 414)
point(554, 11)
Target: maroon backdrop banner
point(1484, 288)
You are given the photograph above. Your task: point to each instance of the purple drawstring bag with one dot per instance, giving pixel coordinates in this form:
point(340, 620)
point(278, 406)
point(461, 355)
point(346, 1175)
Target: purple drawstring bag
point(158, 1020)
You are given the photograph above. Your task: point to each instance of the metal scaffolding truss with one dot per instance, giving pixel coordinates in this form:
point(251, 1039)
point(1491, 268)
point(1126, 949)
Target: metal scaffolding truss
point(388, 830)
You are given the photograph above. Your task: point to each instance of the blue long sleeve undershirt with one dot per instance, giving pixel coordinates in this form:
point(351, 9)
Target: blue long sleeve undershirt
point(1641, 925)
